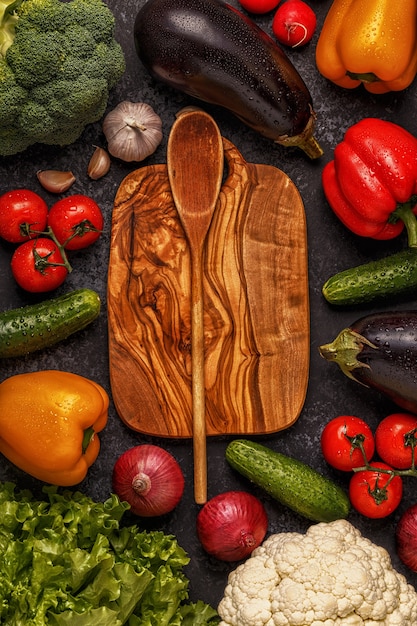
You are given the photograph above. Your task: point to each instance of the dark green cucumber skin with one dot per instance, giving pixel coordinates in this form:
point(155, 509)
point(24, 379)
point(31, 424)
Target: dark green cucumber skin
point(39, 326)
point(393, 275)
point(290, 481)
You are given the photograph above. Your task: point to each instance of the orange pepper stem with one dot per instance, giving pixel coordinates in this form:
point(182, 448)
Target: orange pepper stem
point(88, 435)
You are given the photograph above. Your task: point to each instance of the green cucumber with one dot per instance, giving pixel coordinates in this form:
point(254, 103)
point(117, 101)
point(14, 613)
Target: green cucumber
point(290, 481)
point(393, 275)
point(38, 326)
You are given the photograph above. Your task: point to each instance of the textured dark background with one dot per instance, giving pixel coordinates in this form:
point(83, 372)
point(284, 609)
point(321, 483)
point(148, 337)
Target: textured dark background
point(330, 247)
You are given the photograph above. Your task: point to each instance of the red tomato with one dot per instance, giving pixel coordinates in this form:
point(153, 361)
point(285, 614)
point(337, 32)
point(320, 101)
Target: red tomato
point(294, 23)
point(21, 211)
point(375, 494)
point(391, 437)
point(340, 441)
point(38, 265)
point(259, 6)
point(77, 221)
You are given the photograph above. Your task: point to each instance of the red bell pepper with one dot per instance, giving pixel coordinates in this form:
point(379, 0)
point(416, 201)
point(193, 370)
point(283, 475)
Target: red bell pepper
point(371, 184)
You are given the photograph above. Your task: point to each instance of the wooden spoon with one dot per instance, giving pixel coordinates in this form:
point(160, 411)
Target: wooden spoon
point(195, 168)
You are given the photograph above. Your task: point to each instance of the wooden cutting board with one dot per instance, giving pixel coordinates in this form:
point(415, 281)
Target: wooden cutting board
point(256, 309)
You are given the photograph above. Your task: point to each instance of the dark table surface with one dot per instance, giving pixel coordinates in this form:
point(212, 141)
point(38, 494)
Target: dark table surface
point(330, 248)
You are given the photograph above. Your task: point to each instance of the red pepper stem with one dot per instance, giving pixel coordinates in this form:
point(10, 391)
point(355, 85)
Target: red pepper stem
point(404, 212)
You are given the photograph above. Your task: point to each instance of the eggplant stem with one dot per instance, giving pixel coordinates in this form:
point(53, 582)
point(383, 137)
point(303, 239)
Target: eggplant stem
point(344, 351)
point(305, 140)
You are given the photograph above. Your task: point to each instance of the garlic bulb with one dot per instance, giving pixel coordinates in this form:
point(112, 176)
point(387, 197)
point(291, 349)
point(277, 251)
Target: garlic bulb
point(133, 131)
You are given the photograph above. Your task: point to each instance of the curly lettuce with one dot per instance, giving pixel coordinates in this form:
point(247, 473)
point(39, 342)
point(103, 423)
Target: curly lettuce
point(68, 561)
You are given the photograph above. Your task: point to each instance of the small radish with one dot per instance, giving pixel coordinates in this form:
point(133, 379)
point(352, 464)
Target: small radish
point(294, 23)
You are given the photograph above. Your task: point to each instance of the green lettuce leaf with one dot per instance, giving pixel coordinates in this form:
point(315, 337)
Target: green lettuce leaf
point(67, 560)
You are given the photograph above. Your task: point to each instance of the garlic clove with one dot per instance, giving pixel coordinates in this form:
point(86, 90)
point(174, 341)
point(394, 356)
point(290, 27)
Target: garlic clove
point(99, 164)
point(55, 181)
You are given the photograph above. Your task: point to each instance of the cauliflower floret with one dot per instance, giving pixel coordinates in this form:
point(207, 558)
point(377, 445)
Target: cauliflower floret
point(330, 576)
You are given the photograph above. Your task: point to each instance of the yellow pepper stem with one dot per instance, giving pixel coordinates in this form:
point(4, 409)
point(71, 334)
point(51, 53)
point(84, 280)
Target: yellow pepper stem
point(88, 435)
point(366, 77)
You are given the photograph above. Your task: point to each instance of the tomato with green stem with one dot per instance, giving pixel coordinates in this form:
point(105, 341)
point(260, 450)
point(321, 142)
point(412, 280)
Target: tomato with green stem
point(396, 440)
point(375, 493)
point(347, 442)
point(294, 23)
point(38, 265)
point(23, 214)
point(76, 221)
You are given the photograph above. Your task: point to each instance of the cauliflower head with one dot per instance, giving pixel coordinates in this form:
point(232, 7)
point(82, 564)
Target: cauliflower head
point(58, 62)
point(329, 576)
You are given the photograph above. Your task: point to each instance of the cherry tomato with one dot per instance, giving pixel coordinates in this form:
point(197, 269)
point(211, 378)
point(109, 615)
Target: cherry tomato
point(77, 221)
point(375, 494)
point(394, 439)
point(38, 266)
point(21, 211)
point(259, 6)
point(294, 23)
point(341, 439)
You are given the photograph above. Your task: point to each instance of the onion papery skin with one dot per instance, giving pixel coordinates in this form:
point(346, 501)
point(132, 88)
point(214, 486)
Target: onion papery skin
point(159, 474)
point(231, 525)
point(406, 536)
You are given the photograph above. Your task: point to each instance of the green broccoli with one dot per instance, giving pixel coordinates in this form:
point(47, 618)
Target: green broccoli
point(58, 62)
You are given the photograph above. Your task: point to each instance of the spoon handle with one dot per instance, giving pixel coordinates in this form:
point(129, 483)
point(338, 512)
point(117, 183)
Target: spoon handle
point(195, 169)
point(197, 380)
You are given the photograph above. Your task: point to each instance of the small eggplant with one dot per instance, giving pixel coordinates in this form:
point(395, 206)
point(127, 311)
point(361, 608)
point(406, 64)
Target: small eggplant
point(380, 351)
point(212, 52)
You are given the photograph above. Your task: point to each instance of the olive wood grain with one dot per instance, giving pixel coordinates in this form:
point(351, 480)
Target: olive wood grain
point(256, 309)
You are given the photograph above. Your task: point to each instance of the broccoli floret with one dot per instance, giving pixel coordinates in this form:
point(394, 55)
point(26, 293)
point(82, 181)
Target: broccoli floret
point(65, 102)
point(56, 74)
point(98, 17)
point(37, 58)
point(12, 95)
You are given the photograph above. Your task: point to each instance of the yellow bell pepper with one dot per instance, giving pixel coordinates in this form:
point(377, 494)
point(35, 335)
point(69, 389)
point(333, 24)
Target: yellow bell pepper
point(373, 42)
point(49, 422)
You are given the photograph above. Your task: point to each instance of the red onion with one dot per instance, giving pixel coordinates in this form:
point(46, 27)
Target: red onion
point(231, 525)
point(406, 535)
point(149, 479)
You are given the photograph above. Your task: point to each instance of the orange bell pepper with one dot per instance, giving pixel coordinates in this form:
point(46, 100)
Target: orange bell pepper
point(369, 42)
point(49, 422)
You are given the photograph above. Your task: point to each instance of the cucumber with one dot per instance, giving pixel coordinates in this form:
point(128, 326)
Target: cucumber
point(38, 326)
point(293, 483)
point(391, 276)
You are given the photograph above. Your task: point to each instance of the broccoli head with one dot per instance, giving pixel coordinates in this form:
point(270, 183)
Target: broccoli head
point(58, 62)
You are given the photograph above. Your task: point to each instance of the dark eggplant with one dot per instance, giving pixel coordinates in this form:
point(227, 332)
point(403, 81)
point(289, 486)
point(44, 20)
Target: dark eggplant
point(380, 351)
point(211, 51)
